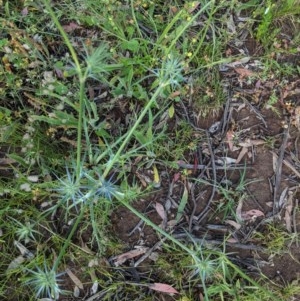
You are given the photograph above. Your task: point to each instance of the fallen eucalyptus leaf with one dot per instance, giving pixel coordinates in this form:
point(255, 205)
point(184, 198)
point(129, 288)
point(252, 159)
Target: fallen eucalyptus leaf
point(164, 288)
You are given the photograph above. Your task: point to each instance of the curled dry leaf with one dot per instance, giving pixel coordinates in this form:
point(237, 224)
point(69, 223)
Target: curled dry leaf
point(242, 153)
point(234, 224)
point(164, 288)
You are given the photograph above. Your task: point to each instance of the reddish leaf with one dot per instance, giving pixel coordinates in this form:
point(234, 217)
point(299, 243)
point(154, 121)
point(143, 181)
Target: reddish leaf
point(71, 27)
point(230, 137)
point(243, 72)
point(252, 214)
point(120, 259)
point(164, 288)
point(176, 176)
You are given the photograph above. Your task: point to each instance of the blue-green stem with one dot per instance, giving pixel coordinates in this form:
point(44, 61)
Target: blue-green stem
point(82, 76)
point(191, 252)
point(130, 133)
point(68, 240)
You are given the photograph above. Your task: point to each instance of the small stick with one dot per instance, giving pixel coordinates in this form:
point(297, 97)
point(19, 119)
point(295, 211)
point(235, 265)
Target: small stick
point(227, 112)
point(203, 214)
point(279, 168)
point(217, 167)
point(295, 222)
point(149, 252)
point(207, 242)
point(288, 165)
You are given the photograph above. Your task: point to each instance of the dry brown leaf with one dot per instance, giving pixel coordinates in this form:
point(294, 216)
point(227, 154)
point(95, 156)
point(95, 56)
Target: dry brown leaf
point(252, 214)
point(242, 153)
point(243, 72)
point(288, 212)
point(226, 161)
point(74, 278)
point(234, 224)
point(238, 211)
point(269, 204)
point(161, 211)
point(164, 288)
point(232, 240)
point(120, 259)
point(7, 161)
point(172, 223)
point(250, 143)
point(71, 27)
point(230, 136)
point(286, 163)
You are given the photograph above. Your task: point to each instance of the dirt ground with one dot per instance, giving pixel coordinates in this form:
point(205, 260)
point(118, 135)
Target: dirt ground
point(241, 179)
point(263, 140)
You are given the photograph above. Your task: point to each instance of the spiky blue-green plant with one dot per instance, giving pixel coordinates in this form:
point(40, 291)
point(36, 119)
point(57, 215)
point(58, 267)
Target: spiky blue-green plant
point(170, 73)
point(70, 188)
point(103, 188)
point(25, 231)
point(45, 282)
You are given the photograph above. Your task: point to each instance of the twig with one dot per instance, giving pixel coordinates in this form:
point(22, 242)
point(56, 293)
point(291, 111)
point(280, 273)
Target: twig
point(258, 114)
point(227, 111)
point(288, 165)
point(217, 167)
point(191, 217)
point(294, 220)
point(187, 116)
point(194, 199)
point(207, 242)
point(148, 253)
point(279, 168)
point(203, 214)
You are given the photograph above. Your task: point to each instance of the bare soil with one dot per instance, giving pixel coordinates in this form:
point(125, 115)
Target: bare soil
point(271, 137)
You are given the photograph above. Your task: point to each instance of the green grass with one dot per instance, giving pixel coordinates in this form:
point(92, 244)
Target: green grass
point(67, 161)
